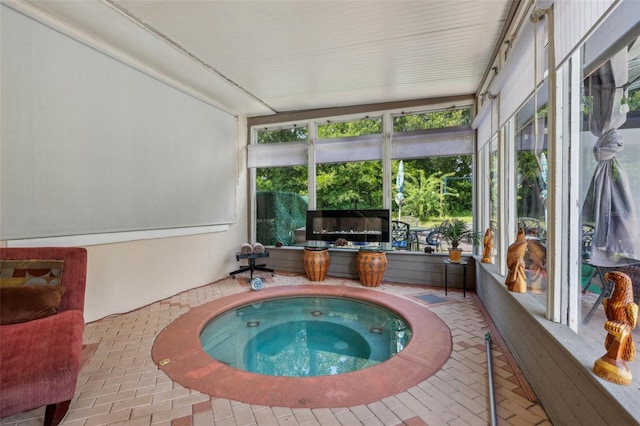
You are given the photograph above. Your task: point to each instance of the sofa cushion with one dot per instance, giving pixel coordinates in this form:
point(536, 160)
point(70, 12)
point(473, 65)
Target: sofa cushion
point(26, 303)
point(14, 273)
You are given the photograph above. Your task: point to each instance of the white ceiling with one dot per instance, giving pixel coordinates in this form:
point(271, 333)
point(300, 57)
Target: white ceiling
point(259, 57)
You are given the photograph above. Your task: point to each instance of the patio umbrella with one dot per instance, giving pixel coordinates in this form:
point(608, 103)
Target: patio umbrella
point(544, 171)
point(609, 205)
point(542, 180)
point(400, 188)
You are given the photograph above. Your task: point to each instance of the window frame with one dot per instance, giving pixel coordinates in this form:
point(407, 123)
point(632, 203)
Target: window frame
point(432, 145)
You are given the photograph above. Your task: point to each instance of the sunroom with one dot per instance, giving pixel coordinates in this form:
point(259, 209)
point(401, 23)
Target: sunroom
point(518, 147)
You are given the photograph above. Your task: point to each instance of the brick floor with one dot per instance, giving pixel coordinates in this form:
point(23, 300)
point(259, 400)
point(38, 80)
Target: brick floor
point(120, 384)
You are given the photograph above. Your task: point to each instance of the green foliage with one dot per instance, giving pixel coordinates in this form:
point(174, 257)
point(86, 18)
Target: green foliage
point(529, 200)
point(455, 230)
point(292, 134)
point(366, 126)
point(432, 120)
point(437, 186)
point(286, 179)
point(634, 100)
point(355, 185)
point(425, 196)
point(279, 214)
point(352, 185)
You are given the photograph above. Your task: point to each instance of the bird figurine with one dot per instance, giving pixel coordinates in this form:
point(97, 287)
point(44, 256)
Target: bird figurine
point(516, 280)
point(488, 246)
point(622, 316)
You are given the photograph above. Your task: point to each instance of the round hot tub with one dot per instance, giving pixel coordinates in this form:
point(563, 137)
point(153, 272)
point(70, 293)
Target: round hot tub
point(305, 336)
point(178, 352)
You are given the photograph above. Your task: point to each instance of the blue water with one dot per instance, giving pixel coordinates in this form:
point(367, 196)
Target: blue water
point(305, 336)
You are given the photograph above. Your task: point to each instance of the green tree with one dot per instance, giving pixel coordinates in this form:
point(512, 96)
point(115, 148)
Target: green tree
point(455, 176)
point(432, 120)
point(456, 171)
point(349, 185)
point(367, 126)
point(634, 100)
point(435, 186)
point(290, 134)
point(528, 185)
point(286, 179)
point(354, 185)
point(425, 195)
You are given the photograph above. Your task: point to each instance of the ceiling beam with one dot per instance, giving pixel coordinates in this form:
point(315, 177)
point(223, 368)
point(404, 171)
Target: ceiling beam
point(283, 117)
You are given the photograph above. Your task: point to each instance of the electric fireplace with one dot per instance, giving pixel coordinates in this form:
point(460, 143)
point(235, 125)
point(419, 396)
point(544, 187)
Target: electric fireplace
point(365, 226)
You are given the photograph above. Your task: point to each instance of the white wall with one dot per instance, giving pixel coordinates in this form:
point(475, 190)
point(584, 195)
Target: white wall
point(93, 142)
point(125, 276)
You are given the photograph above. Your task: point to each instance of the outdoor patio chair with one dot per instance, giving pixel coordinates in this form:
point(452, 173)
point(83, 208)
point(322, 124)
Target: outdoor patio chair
point(434, 239)
point(401, 236)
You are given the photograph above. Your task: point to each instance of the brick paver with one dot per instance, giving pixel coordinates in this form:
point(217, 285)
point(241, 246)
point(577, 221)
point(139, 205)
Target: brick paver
point(120, 384)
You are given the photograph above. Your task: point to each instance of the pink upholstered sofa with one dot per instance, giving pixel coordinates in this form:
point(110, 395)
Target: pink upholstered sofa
point(40, 358)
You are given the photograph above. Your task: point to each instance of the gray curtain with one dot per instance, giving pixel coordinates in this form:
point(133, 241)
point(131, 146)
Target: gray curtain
point(608, 205)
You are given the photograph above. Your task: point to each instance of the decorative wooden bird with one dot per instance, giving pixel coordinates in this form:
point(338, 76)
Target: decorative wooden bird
point(488, 246)
point(516, 279)
point(622, 316)
point(621, 308)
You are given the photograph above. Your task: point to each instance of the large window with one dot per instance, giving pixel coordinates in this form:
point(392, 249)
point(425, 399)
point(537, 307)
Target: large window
point(434, 189)
point(588, 222)
point(437, 182)
point(344, 179)
point(346, 159)
point(493, 199)
point(437, 185)
point(431, 120)
point(531, 179)
point(281, 192)
point(609, 182)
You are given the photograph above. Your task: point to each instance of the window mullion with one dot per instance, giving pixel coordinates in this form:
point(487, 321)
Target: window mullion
point(571, 137)
point(387, 126)
point(556, 247)
point(311, 170)
point(507, 194)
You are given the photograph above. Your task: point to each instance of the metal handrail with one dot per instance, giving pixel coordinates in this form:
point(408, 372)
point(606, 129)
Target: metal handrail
point(492, 398)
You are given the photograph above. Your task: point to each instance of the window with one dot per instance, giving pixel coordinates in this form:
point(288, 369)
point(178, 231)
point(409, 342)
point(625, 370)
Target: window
point(281, 192)
point(609, 182)
point(531, 176)
point(349, 173)
point(437, 182)
point(285, 134)
point(432, 120)
point(493, 183)
point(347, 157)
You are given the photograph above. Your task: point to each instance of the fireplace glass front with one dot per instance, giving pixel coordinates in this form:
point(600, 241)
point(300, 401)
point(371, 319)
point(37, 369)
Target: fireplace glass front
point(364, 226)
